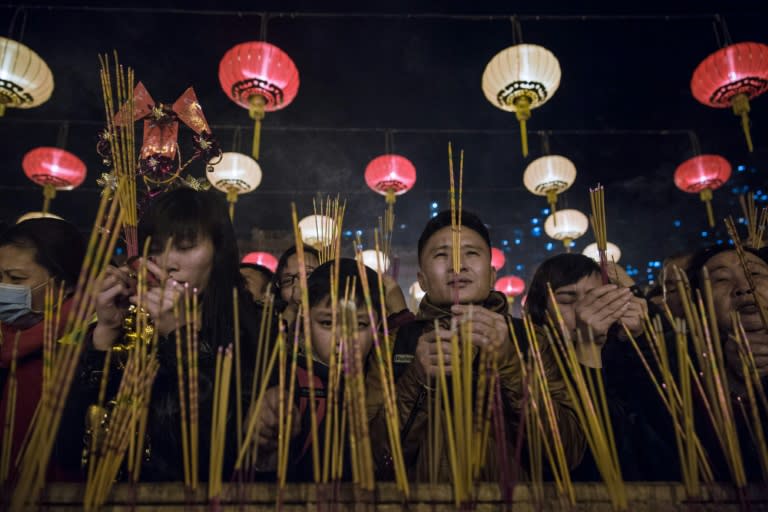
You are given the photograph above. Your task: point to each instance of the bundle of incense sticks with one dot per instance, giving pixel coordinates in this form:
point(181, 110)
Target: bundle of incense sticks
point(456, 209)
point(384, 368)
point(9, 414)
point(541, 425)
point(586, 390)
point(125, 425)
point(222, 385)
point(329, 217)
point(599, 228)
point(676, 393)
point(120, 134)
point(741, 253)
point(756, 221)
point(754, 391)
point(36, 453)
point(285, 409)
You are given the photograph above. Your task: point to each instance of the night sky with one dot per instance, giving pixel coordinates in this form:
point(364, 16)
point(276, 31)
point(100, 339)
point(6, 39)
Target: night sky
point(623, 114)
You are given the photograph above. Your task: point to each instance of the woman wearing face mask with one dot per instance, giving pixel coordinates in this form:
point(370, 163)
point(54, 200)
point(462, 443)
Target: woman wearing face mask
point(32, 254)
point(202, 256)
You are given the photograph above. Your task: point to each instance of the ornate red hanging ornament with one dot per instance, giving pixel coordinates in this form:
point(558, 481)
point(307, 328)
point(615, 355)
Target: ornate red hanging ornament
point(159, 157)
point(53, 169)
point(261, 258)
point(732, 76)
point(497, 259)
point(701, 175)
point(260, 77)
point(390, 176)
point(511, 286)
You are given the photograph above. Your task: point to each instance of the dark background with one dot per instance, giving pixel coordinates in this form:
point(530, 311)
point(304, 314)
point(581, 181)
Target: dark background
point(623, 113)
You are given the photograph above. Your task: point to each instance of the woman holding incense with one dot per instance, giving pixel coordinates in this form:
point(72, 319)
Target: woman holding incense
point(595, 316)
point(360, 332)
point(33, 253)
point(739, 288)
point(193, 251)
point(463, 300)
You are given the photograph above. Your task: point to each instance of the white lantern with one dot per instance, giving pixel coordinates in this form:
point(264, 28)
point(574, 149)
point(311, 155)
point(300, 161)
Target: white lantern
point(376, 260)
point(612, 252)
point(549, 176)
point(317, 230)
point(566, 225)
point(521, 78)
point(235, 174)
point(416, 292)
point(26, 80)
point(37, 215)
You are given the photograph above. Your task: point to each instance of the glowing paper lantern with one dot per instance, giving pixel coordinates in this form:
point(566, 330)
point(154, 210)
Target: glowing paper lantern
point(261, 258)
point(373, 258)
point(701, 175)
point(497, 259)
point(53, 169)
point(235, 174)
point(260, 77)
point(566, 225)
point(390, 175)
point(416, 292)
point(511, 286)
point(317, 230)
point(25, 79)
point(732, 76)
point(549, 176)
point(519, 79)
point(612, 252)
point(37, 215)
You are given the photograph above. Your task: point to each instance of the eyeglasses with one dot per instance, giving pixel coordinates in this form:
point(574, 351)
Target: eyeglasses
point(288, 279)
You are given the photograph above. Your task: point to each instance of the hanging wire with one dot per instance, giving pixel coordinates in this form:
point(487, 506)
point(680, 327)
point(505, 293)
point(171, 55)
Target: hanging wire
point(694, 142)
point(388, 142)
point(236, 135)
point(263, 26)
point(545, 142)
point(517, 30)
point(19, 11)
point(62, 135)
point(722, 36)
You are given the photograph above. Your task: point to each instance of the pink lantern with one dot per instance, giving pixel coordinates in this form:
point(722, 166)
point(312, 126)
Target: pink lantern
point(497, 259)
point(53, 169)
point(260, 77)
point(701, 175)
point(390, 175)
point(511, 286)
point(261, 258)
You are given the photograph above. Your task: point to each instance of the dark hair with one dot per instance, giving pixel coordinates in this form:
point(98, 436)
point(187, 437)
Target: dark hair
point(185, 215)
point(259, 268)
point(443, 219)
point(280, 304)
point(702, 256)
point(59, 246)
point(557, 271)
point(319, 283)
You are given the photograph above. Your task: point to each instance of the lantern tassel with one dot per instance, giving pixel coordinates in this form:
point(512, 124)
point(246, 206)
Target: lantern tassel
point(232, 199)
point(567, 243)
point(740, 105)
point(2, 109)
point(552, 200)
point(256, 112)
point(706, 197)
point(523, 113)
point(49, 192)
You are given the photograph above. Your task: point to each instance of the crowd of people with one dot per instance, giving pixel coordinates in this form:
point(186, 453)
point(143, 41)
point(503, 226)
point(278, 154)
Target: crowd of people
point(193, 247)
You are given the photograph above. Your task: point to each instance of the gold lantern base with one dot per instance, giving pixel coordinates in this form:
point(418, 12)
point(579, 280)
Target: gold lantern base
point(256, 111)
point(706, 197)
point(740, 105)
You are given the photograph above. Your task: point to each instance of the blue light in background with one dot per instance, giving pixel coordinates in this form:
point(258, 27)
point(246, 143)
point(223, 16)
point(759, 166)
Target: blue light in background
point(348, 233)
point(730, 242)
point(359, 232)
point(505, 243)
point(677, 223)
point(572, 245)
point(719, 242)
point(518, 241)
point(519, 267)
point(704, 234)
point(550, 246)
point(119, 251)
point(402, 226)
point(536, 231)
point(535, 220)
point(434, 214)
point(434, 205)
point(740, 168)
point(545, 211)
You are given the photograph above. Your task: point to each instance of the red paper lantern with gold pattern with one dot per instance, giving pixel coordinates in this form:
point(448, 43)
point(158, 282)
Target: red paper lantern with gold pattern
point(53, 169)
point(732, 76)
point(497, 259)
point(261, 258)
point(390, 175)
point(260, 77)
point(701, 175)
point(511, 286)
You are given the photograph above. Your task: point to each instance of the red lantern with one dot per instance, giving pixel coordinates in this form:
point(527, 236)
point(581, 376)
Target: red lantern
point(53, 169)
point(732, 76)
point(702, 174)
point(497, 259)
point(390, 175)
point(261, 258)
point(511, 286)
point(260, 77)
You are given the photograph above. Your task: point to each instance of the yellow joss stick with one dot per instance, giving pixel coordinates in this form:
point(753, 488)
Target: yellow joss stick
point(10, 414)
point(452, 455)
point(733, 233)
point(238, 377)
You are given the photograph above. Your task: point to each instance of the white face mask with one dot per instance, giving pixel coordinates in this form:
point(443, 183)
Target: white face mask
point(15, 301)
